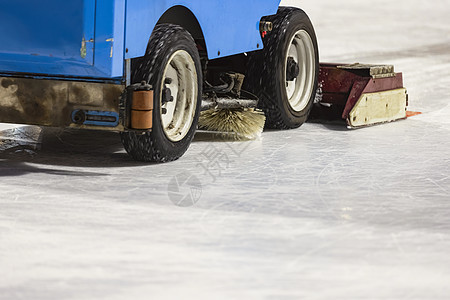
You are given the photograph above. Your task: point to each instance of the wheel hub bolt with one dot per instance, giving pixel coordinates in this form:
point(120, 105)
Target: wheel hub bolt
point(166, 96)
point(292, 69)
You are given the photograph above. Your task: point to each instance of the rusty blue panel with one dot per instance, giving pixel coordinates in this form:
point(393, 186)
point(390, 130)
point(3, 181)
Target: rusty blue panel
point(47, 28)
point(35, 33)
point(109, 37)
point(53, 38)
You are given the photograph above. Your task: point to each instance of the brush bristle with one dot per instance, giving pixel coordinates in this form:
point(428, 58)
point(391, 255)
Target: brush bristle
point(246, 124)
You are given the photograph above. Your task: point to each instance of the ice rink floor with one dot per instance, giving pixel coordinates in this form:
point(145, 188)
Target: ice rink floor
point(315, 213)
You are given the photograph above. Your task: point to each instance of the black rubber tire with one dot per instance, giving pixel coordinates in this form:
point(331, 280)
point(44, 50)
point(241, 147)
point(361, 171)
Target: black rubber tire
point(154, 146)
point(266, 69)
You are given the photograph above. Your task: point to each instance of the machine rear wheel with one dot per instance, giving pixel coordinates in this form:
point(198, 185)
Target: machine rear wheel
point(285, 74)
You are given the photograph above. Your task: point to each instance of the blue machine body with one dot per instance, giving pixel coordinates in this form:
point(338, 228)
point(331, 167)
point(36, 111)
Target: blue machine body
point(90, 39)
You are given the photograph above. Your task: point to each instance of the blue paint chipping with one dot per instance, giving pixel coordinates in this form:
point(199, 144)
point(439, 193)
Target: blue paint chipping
point(90, 39)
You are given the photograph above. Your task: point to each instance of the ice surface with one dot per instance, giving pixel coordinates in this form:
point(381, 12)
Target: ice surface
point(315, 213)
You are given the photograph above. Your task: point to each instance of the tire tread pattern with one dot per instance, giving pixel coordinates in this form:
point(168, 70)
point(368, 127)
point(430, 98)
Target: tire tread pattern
point(153, 146)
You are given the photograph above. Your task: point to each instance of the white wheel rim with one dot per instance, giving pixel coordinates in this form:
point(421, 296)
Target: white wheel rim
point(177, 116)
point(299, 91)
